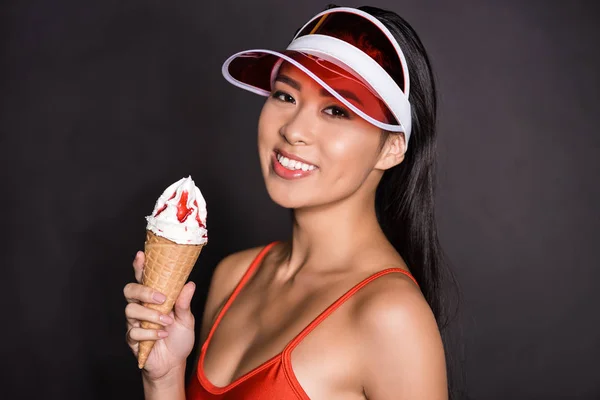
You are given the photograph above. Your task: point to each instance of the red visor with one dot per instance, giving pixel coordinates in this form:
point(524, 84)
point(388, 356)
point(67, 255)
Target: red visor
point(362, 33)
point(350, 54)
point(347, 84)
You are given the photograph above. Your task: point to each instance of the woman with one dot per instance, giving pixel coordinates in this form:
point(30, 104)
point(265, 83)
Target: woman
point(347, 308)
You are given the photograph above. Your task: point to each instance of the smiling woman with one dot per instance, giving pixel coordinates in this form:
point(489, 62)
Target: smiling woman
point(307, 125)
point(350, 307)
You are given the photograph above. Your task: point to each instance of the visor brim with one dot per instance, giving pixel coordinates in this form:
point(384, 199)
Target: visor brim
point(253, 70)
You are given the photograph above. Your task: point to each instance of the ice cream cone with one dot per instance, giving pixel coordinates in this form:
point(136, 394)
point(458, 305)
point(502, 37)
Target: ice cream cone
point(168, 266)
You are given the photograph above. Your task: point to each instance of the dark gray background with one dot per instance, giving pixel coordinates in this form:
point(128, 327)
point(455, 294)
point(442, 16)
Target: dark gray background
point(103, 104)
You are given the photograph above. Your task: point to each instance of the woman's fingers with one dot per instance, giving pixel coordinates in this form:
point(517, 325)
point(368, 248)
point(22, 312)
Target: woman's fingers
point(134, 293)
point(182, 309)
point(136, 334)
point(135, 312)
point(138, 265)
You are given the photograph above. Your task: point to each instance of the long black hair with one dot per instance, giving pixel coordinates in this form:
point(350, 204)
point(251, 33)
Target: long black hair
point(405, 196)
point(404, 200)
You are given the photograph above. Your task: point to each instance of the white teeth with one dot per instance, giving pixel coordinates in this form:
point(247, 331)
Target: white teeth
point(293, 164)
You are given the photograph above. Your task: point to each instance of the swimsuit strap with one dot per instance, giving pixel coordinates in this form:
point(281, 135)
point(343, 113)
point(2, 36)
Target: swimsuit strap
point(245, 278)
point(341, 301)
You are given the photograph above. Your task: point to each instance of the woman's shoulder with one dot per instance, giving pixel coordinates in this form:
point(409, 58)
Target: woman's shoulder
point(398, 331)
point(393, 294)
point(236, 263)
point(230, 270)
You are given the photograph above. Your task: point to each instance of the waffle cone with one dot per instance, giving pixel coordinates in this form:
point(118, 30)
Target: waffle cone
point(168, 266)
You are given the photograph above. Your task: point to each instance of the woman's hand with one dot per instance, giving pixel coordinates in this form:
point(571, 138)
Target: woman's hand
point(175, 341)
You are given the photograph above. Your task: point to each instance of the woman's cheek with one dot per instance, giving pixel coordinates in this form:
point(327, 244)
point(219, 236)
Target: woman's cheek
point(267, 128)
point(345, 149)
point(270, 121)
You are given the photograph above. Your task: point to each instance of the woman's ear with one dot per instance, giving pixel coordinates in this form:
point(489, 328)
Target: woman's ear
point(392, 152)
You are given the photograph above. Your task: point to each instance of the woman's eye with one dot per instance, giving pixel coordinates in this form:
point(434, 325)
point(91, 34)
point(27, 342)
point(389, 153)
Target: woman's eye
point(282, 96)
point(337, 112)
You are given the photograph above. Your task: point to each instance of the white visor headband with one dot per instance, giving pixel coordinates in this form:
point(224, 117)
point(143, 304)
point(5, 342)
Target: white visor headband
point(239, 67)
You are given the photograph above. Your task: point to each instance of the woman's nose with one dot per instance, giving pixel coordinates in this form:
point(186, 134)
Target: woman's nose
point(298, 130)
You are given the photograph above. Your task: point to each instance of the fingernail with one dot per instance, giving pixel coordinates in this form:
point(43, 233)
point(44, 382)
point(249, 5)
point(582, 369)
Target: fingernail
point(166, 319)
point(163, 334)
point(159, 297)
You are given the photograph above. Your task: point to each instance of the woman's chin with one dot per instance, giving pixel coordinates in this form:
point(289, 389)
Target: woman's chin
point(285, 200)
point(289, 193)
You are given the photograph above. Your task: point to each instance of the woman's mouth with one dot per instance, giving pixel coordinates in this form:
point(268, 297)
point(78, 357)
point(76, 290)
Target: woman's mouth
point(292, 164)
point(288, 167)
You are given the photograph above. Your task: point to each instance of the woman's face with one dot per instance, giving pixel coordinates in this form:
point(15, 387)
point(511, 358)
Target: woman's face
point(314, 151)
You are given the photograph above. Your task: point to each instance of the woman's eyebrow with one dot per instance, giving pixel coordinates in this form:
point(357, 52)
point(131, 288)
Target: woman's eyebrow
point(286, 79)
point(296, 85)
point(345, 94)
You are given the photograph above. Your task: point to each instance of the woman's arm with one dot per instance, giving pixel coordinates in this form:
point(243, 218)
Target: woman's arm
point(170, 386)
point(401, 344)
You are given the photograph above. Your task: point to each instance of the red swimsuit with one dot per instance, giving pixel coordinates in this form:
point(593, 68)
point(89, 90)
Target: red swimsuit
point(274, 379)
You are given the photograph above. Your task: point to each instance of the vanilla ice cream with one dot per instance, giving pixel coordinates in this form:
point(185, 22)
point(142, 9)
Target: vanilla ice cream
point(180, 214)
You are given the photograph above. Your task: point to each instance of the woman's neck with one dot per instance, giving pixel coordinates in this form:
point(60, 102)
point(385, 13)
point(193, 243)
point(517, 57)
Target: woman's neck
point(329, 236)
